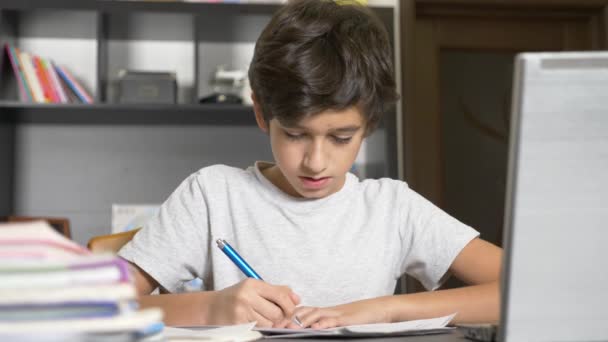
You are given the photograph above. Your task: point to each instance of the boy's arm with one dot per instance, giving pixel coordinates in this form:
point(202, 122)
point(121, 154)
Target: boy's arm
point(179, 309)
point(247, 301)
point(478, 264)
point(144, 283)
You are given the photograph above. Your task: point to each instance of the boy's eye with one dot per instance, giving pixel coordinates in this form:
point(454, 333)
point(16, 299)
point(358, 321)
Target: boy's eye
point(294, 136)
point(341, 140)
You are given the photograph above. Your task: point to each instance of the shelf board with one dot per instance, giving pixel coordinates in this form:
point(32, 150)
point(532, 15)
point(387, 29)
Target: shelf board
point(159, 6)
point(127, 6)
point(205, 114)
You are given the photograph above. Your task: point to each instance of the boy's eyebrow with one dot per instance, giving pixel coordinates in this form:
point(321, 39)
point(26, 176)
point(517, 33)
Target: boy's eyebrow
point(345, 129)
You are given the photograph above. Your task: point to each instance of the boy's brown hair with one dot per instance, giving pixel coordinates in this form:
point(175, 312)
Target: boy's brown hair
point(317, 55)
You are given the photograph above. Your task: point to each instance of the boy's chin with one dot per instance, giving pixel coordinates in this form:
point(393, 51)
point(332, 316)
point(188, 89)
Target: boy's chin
point(314, 194)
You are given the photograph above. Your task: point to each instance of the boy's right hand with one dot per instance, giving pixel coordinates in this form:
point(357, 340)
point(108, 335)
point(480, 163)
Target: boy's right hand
point(253, 300)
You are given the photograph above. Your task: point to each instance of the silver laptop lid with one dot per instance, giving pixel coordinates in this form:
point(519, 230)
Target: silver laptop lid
point(555, 276)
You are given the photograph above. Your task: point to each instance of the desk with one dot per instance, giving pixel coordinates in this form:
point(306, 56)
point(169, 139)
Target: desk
point(455, 336)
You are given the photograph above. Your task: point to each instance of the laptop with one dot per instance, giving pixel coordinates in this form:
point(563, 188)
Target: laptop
point(555, 277)
point(555, 269)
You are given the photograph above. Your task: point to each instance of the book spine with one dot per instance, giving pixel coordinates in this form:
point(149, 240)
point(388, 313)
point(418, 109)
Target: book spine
point(30, 76)
point(118, 263)
point(108, 292)
point(129, 323)
point(115, 265)
point(74, 85)
point(50, 67)
point(69, 247)
point(44, 82)
point(62, 278)
point(28, 88)
point(72, 98)
point(16, 71)
point(49, 82)
point(60, 311)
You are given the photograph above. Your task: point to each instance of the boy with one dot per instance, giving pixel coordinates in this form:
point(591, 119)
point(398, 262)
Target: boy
point(321, 77)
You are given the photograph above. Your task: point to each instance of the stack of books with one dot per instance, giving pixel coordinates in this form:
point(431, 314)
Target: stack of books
point(51, 286)
point(42, 81)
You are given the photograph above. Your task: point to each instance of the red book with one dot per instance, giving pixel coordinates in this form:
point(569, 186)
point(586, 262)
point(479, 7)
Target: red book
point(44, 80)
point(57, 87)
point(47, 74)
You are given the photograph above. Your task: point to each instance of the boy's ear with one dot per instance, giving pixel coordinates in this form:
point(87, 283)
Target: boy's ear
point(259, 117)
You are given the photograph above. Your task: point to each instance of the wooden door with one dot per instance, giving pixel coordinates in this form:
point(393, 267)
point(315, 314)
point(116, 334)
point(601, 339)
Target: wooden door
point(448, 47)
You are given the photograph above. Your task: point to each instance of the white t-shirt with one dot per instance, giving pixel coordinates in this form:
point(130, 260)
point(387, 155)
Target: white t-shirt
point(351, 245)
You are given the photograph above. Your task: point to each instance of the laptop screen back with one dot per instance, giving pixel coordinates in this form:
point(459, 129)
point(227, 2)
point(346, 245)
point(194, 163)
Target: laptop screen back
point(555, 276)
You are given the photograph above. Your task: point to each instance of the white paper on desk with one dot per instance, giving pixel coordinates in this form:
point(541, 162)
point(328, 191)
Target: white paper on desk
point(417, 327)
point(232, 333)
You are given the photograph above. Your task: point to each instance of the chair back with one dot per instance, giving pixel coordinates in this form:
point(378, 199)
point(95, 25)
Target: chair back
point(60, 224)
point(111, 242)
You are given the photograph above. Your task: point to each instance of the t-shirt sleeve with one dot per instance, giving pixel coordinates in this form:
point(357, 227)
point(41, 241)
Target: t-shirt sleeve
point(432, 239)
point(172, 245)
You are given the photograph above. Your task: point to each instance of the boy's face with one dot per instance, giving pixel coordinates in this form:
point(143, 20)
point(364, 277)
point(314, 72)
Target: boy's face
point(313, 157)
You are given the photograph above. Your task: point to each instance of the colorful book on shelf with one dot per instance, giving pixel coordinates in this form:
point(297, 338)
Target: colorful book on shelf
point(43, 79)
point(30, 75)
point(49, 86)
point(76, 87)
point(22, 87)
point(70, 95)
point(56, 84)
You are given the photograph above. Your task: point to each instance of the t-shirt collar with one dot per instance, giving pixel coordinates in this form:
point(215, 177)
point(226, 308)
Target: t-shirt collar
point(298, 203)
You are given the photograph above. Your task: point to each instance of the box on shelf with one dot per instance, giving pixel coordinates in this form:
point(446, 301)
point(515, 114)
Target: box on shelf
point(147, 87)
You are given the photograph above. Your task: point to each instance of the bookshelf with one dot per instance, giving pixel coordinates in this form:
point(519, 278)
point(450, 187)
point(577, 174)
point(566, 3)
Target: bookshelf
point(75, 160)
point(96, 39)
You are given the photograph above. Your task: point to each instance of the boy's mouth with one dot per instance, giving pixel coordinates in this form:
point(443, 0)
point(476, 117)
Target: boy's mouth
point(314, 183)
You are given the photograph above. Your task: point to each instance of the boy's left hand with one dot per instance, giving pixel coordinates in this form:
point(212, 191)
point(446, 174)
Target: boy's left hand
point(360, 312)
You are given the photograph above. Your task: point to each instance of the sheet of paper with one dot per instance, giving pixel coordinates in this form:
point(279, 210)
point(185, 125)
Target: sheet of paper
point(233, 333)
point(417, 327)
point(389, 328)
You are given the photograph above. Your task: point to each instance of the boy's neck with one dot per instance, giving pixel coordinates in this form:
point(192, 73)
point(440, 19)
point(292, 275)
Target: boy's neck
point(275, 176)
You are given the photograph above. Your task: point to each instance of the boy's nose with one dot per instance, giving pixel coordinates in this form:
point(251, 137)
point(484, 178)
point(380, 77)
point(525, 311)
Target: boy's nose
point(315, 160)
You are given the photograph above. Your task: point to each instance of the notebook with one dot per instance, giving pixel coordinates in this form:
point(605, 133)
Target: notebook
point(407, 328)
